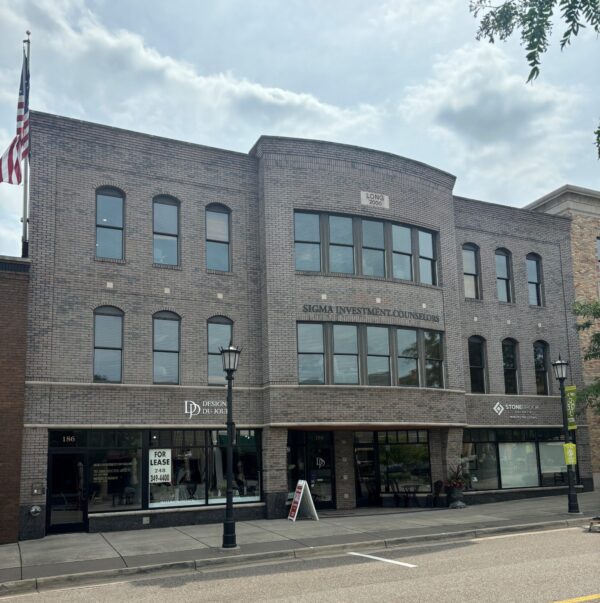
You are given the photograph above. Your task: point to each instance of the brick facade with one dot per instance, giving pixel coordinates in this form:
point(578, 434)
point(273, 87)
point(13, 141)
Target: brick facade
point(265, 296)
point(14, 279)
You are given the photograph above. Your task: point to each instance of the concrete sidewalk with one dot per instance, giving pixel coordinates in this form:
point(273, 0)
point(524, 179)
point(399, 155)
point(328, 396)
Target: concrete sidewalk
point(28, 565)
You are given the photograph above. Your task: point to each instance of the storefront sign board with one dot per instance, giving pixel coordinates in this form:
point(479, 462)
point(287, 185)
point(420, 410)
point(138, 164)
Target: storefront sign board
point(302, 495)
point(571, 399)
point(159, 466)
point(374, 199)
point(570, 451)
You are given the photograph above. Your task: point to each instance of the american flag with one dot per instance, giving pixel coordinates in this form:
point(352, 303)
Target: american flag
point(10, 163)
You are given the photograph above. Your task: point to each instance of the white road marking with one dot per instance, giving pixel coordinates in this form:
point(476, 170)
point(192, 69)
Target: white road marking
point(382, 559)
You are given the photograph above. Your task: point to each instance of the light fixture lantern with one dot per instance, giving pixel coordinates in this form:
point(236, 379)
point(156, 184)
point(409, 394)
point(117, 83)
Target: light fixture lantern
point(560, 368)
point(230, 356)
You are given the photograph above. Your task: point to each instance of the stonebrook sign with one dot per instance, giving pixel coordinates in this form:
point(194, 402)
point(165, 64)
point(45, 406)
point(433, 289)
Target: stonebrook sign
point(368, 311)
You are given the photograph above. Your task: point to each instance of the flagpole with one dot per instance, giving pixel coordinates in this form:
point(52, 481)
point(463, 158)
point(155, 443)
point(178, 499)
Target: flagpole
point(25, 236)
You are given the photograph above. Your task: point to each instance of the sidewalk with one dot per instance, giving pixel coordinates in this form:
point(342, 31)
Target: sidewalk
point(60, 560)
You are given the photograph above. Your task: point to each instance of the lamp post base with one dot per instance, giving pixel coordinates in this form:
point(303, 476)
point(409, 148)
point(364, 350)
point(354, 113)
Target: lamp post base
point(229, 539)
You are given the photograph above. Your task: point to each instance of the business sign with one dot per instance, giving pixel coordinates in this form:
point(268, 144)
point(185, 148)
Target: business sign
point(204, 407)
point(368, 311)
point(571, 398)
point(159, 466)
point(302, 495)
point(570, 451)
point(517, 411)
point(374, 199)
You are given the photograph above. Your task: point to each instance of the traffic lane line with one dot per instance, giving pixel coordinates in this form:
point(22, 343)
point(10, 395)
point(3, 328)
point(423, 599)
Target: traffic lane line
point(595, 597)
point(383, 559)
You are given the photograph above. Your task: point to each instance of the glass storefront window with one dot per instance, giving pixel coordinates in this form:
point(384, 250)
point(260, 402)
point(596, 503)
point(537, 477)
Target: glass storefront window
point(482, 462)
point(552, 464)
point(518, 464)
point(404, 465)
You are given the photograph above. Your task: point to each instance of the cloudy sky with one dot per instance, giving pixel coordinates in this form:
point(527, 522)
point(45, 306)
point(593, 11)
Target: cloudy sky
point(403, 76)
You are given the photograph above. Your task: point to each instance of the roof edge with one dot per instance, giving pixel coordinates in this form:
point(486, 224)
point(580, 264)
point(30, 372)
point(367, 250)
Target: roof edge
point(566, 188)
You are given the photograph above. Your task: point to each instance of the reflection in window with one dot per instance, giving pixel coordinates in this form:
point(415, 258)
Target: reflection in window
point(311, 366)
point(518, 464)
point(108, 344)
point(503, 275)
point(477, 364)
point(434, 373)
point(482, 462)
point(509, 360)
point(373, 248)
point(540, 360)
point(408, 357)
point(166, 347)
point(378, 356)
point(166, 231)
point(109, 224)
point(217, 239)
point(471, 271)
point(220, 335)
point(552, 464)
point(341, 245)
point(345, 354)
point(427, 271)
point(307, 236)
point(402, 252)
point(534, 279)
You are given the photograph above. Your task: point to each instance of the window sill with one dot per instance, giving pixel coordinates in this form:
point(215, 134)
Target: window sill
point(167, 266)
point(478, 300)
point(110, 260)
point(220, 272)
point(511, 304)
point(367, 277)
point(537, 307)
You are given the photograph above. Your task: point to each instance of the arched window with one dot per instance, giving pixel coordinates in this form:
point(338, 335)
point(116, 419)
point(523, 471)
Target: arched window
point(108, 344)
point(218, 227)
point(166, 344)
point(109, 223)
point(503, 275)
point(165, 213)
point(470, 254)
point(477, 364)
point(534, 279)
point(540, 359)
point(220, 333)
point(510, 362)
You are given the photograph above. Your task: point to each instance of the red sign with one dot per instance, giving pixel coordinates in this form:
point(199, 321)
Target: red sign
point(297, 498)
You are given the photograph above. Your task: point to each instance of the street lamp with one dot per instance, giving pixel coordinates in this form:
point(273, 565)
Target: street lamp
point(230, 356)
point(560, 372)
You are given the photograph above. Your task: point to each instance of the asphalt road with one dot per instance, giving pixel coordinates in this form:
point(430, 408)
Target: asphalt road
point(559, 565)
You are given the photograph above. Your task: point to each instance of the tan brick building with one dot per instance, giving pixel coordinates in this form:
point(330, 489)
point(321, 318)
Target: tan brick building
point(583, 207)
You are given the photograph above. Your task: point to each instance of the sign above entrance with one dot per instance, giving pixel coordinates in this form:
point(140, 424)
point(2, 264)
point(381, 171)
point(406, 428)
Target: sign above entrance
point(204, 407)
point(517, 411)
point(374, 199)
point(368, 311)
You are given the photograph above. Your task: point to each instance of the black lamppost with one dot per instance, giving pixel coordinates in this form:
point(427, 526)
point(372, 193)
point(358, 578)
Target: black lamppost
point(230, 356)
point(560, 373)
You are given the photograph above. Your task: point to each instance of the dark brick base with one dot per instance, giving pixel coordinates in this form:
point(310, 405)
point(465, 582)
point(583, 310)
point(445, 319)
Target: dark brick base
point(479, 498)
point(31, 527)
point(276, 507)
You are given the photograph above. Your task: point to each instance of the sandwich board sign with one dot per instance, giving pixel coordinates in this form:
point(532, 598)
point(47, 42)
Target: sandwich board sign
point(302, 499)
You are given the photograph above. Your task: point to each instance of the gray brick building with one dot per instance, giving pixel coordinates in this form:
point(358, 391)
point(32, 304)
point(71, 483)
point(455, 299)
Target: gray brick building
point(377, 350)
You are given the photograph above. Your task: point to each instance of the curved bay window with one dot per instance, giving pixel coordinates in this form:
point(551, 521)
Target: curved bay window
point(434, 355)
point(470, 254)
point(503, 276)
point(534, 279)
point(427, 258)
point(165, 212)
point(540, 359)
point(378, 356)
point(220, 334)
point(217, 238)
point(408, 357)
point(166, 342)
point(311, 354)
point(307, 237)
point(477, 364)
point(109, 224)
point(509, 361)
point(345, 354)
point(341, 245)
point(108, 344)
point(373, 248)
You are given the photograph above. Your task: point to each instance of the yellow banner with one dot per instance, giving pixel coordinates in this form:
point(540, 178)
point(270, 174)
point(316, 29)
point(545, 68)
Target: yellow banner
point(570, 451)
point(571, 398)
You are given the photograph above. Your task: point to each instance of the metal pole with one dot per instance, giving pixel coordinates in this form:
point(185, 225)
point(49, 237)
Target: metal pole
point(573, 503)
point(25, 236)
point(229, 540)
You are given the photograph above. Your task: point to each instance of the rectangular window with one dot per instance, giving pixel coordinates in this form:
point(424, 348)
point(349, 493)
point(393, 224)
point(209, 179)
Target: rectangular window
point(345, 354)
point(534, 281)
point(166, 350)
point(341, 245)
point(470, 272)
point(378, 356)
point(477, 364)
point(427, 263)
point(402, 252)
point(217, 240)
point(503, 277)
point(408, 357)
point(108, 345)
point(518, 464)
point(311, 354)
point(373, 248)
point(109, 225)
point(307, 235)
point(509, 359)
point(219, 336)
point(434, 366)
point(482, 461)
point(166, 231)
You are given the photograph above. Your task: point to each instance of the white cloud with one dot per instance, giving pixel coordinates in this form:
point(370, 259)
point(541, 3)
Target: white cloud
point(502, 133)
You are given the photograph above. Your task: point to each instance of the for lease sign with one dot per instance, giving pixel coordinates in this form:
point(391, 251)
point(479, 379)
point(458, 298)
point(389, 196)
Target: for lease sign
point(159, 466)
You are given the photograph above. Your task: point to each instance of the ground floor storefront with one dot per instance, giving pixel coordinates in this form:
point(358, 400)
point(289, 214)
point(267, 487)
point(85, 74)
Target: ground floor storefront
point(113, 479)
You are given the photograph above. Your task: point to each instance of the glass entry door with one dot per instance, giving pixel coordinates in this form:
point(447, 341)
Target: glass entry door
point(67, 492)
point(367, 473)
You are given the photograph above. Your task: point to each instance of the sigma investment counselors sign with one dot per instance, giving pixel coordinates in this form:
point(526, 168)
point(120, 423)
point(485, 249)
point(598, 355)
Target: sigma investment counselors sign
point(368, 311)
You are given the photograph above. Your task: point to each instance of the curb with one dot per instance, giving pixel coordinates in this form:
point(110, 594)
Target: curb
point(31, 585)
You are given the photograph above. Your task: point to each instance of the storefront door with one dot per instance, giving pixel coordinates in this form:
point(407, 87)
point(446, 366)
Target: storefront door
point(67, 492)
point(367, 472)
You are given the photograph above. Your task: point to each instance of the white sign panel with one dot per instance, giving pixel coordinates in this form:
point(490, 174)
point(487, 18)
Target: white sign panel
point(160, 466)
point(374, 199)
point(302, 495)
